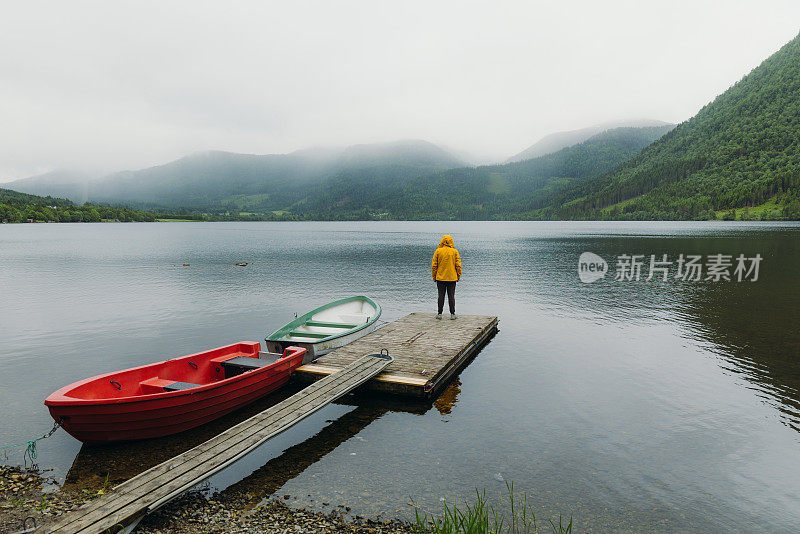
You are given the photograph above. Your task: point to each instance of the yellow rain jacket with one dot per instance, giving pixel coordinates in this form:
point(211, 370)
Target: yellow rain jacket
point(446, 264)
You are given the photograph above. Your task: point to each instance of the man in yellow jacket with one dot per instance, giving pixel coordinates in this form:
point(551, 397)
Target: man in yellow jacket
point(446, 271)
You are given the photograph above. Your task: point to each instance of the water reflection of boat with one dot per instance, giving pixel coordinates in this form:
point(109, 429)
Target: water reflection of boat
point(95, 467)
point(115, 463)
point(171, 396)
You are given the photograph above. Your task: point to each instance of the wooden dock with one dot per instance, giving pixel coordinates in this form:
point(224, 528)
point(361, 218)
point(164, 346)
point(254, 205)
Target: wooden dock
point(127, 503)
point(426, 351)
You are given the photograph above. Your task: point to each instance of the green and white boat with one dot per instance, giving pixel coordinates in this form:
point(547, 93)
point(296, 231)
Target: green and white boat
point(328, 327)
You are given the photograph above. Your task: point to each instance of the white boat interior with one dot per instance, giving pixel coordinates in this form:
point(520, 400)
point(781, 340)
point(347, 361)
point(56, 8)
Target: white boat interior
point(335, 320)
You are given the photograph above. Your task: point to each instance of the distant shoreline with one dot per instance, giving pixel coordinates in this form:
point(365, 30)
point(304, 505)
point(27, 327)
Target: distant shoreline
point(402, 220)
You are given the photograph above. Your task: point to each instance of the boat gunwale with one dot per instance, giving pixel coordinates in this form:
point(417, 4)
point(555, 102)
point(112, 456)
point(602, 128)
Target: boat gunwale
point(61, 398)
point(300, 321)
point(153, 409)
point(154, 415)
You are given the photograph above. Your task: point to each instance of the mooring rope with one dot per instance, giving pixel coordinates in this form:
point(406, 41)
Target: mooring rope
point(30, 445)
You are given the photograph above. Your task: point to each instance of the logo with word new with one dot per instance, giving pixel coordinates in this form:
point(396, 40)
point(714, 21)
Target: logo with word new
point(686, 268)
point(591, 267)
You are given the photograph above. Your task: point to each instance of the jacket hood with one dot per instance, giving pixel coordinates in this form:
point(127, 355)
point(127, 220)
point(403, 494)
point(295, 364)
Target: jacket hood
point(447, 241)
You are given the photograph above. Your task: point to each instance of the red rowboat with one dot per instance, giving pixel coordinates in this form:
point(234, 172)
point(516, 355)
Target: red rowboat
point(170, 396)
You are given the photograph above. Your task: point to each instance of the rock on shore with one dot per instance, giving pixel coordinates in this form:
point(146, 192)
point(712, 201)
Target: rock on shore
point(22, 497)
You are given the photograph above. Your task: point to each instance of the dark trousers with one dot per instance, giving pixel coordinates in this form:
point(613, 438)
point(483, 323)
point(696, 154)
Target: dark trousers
point(450, 287)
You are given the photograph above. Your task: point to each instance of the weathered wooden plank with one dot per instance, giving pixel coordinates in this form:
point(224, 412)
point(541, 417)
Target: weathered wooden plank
point(147, 490)
point(321, 370)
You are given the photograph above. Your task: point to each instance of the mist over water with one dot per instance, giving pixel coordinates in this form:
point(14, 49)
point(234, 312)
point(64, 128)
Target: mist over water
point(632, 406)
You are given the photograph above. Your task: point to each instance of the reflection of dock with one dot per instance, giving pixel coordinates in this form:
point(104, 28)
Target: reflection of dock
point(130, 501)
point(264, 481)
point(426, 352)
point(98, 467)
point(269, 478)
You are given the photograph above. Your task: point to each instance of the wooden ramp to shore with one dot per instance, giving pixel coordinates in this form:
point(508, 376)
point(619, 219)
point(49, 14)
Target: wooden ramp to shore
point(127, 503)
point(426, 351)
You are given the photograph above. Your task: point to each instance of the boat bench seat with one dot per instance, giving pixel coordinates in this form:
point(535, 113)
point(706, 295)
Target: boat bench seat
point(241, 364)
point(358, 318)
point(311, 335)
point(160, 385)
point(270, 357)
point(177, 386)
point(329, 324)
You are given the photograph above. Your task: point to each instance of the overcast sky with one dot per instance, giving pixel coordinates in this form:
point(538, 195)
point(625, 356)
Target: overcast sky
point(122, 85)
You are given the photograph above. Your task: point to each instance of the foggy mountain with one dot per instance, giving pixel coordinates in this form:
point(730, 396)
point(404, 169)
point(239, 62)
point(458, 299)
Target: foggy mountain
point(209, 180)
point(558, 140)
point(60, 183)
point(484, 192)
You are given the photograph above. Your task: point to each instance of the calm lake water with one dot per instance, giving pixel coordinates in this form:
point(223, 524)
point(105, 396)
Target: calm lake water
point(632, 406)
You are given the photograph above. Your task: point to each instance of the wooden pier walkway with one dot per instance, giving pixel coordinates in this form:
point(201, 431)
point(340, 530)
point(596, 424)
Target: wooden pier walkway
point(127, 503)
point(426, 351)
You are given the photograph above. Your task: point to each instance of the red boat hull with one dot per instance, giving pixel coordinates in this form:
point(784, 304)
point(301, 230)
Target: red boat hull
point(131, 404)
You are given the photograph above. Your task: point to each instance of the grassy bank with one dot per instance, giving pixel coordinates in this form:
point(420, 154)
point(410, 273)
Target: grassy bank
point(481, 517)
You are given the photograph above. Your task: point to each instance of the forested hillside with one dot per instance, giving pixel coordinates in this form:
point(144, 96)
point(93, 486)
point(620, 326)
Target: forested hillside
point(21, 207)
point(739, 152)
